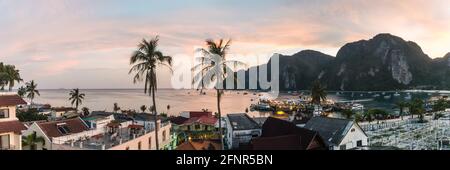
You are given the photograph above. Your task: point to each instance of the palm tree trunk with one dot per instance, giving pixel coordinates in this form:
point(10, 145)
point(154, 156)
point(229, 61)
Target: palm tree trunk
point(220, 118)
point(156, 119)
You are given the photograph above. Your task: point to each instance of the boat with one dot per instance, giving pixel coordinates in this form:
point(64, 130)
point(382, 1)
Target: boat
point(357, 107)
point(387, 97)
point(408, 96)
point(396, 94)
point(376, 95)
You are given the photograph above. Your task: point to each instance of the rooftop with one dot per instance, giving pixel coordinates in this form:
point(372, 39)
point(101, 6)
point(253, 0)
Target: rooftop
point(242, 121)
point(200, 145)
point(11, 100)
point(63, 127)
point(12, 126)
point(332, 130)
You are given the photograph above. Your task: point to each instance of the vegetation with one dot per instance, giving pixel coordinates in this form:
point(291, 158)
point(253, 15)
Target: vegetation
point(21, 91)
point(76, 98)
point(143, 108)
point(116, 108)
point(31, 90)
point(30, 115)
point(348, 113)
point(145, 61)
point(8, 76)
point(318, 93)
point(214, 69)
point(416, 107)
point(401, 105)
point(440, 105)
point(85, 111)
point(32, 140)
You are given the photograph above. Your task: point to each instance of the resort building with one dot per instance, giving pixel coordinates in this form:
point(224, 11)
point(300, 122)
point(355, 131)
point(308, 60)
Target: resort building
point(338, 134)
point(62, 112)
point(57, 131)
point(195, 125)
point(240, 130)
point(10, 127)
point(101, 131)
point(279, 134)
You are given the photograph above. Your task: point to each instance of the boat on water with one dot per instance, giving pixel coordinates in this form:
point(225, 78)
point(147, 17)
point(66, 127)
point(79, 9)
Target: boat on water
point(408, 96)
point(260, 107)
point(357, 107)
point(396, 94)
point(387, 97)
point(376, 95)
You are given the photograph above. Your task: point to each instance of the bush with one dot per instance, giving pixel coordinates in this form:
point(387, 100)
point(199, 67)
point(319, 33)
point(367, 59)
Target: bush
point(30, 115)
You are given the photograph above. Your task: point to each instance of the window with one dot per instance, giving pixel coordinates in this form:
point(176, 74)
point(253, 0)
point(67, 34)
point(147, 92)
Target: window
point(139, 145)
point(343, 147)
point(4, 113)
point(164, 136)
point(197, 127)
point(63, 128)
point(359, 143)
point(4, 142)
point(353, 130)
point(149, 143)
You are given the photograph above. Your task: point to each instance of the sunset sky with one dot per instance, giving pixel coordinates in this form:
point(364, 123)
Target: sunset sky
point(87, 43)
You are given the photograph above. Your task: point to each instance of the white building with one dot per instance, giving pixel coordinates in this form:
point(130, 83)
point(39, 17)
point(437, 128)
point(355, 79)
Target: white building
point(240, 130)
point(338, 134)
point(10, 127)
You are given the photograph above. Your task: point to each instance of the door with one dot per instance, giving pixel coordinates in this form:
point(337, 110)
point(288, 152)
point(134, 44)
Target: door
point(4, 142)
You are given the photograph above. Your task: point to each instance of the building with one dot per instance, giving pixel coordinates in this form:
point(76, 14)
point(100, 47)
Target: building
point(10, 127)
point(338, 134)
point(101, 131)
point(195, 125)
point(62, 112)
point(279, 134)
point(57, 131)
point(200, 145)
point(240, 130)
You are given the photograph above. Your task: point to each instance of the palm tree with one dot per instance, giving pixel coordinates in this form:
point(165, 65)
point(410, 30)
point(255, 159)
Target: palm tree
point(348, 113)
point(32, 140)
point(85, 111)
point(401, 105)
point(21, 91)
point(12, 76)
point(76, 98)
point(416, 107)
point(145, 61)
point(143, 108)
point(214, 67)
point(116, 108)
point(168, 108)
point(3, 76)
point(31, 89)
point(318, 93)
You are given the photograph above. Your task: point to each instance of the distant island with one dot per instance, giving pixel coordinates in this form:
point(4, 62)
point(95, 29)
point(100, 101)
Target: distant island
point(383, 63)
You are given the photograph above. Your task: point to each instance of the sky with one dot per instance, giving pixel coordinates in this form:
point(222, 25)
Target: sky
point(87, 44)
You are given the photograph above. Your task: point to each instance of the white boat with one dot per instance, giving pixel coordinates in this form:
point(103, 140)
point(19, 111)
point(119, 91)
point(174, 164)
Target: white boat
point(396, 94)
point(387, 97)
point(376, 95)
point(357, 107)
point(408, 97)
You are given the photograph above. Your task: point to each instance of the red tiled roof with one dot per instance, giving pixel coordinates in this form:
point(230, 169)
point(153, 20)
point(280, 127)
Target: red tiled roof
point(135, 126)
point(75, 125)
point(200, 145)
point(199, 114)
point(12, 126)
point(11, 100)
point(207, 120)
point(178, 120)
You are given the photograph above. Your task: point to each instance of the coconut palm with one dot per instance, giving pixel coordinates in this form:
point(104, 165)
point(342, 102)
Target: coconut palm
point(21, 91)
point(145, 61)
point(76, 98)
point(31, 89)
point(3, 76)
point(143, 108)
point(348, 113)
point(401, 105)
point(116, 108)
point(12, 76)
point(416, 107)
point(215, 68)
point(318, 93)
point(32, 140)
point(85, 111)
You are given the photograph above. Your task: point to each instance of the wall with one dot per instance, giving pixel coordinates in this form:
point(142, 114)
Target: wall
point(15, 140)
point(12, 113)
point(352, 137)
point(144, 139)
point(39, 133)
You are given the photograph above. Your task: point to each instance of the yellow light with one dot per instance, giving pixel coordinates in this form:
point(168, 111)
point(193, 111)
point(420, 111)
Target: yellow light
point(280, 112)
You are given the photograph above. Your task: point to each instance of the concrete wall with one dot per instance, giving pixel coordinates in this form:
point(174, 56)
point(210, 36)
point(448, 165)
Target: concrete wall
point(15, 140)
point(12, 113)
point(144, 140)
point(350, 140)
